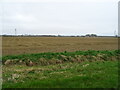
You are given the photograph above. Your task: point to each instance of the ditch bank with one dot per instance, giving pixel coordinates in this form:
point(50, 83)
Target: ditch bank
point(50, 58)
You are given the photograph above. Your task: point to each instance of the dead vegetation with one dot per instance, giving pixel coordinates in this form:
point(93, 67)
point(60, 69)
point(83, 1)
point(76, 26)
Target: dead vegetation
point(61, 59)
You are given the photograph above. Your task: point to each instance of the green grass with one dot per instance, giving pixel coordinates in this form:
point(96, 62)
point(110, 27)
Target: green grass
point(97, 74)
point(50, 55)
point(80, 69)
point(66, 56)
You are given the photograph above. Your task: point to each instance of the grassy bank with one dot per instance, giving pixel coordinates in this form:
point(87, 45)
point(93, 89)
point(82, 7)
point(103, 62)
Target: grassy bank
point(58, 58)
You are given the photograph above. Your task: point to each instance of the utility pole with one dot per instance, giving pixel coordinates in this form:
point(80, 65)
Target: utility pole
point(115, 33)
point(15, 32)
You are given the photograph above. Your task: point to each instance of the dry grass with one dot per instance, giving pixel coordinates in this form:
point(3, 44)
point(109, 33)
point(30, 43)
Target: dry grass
point(22, 45)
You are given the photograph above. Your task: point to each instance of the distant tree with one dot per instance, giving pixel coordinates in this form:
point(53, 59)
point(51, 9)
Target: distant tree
point(93, 35)
point(59, 35)
point(87, 35)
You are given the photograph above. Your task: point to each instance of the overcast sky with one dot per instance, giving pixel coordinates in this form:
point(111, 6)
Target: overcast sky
point(64, 17)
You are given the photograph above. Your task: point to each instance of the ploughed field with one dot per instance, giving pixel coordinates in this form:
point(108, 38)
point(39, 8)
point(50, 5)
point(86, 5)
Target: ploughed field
point(23, 45)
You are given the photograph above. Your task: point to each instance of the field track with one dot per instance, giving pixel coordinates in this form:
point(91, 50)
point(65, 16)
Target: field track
point(22, 45)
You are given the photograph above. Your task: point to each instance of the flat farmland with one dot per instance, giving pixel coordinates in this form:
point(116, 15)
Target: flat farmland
point(27, 45)
point(72, 66)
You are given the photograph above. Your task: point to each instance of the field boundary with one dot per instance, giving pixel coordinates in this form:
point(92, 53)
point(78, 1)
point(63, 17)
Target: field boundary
point(59, 58)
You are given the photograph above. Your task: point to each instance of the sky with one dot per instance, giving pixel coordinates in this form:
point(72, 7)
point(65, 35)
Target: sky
point(59, 17)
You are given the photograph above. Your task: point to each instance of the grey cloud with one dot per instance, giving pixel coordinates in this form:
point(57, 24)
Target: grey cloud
point(60, 18)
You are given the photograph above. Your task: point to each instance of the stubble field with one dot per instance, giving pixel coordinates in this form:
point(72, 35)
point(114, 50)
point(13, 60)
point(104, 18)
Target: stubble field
point(23, 45)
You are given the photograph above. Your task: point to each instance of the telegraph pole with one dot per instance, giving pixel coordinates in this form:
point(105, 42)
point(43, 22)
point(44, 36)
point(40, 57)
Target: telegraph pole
point(15, 32)
point(115, 33)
